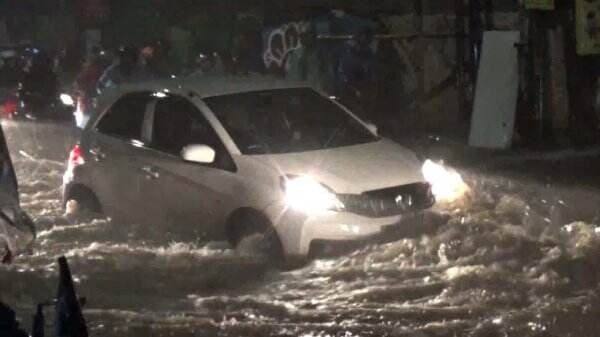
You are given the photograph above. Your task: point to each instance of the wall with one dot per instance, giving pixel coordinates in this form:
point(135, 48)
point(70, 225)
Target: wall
point(429, 62)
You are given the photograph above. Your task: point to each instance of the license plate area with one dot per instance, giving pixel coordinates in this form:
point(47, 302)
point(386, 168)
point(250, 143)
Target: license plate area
point(409, 225)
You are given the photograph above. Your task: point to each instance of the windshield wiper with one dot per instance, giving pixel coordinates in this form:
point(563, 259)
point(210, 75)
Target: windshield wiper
point(339, 130)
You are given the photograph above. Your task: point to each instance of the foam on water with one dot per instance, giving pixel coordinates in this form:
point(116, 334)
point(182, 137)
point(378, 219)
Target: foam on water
point(512, 259)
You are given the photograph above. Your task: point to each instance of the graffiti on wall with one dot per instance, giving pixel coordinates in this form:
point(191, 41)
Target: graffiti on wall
point(280, 42)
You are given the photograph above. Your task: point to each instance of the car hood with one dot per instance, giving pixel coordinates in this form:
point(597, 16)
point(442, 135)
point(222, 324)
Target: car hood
point(351, 169)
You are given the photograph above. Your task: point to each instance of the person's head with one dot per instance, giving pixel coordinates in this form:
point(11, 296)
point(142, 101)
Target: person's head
point(40, 60)
point(147, 55)
point(127, 57)
point(205, 61)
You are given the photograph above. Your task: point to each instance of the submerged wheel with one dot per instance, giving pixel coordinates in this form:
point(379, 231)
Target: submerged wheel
point(82, 202)
point(253, 234)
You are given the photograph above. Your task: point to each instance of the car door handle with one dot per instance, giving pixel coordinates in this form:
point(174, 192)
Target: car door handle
point(150, 172)
point(97, 153)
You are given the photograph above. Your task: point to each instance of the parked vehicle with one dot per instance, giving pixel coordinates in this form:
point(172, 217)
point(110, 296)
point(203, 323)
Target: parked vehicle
point(228, 158)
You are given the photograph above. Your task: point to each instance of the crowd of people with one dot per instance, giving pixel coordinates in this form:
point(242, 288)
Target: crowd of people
point(29, 75)
point(356, 71)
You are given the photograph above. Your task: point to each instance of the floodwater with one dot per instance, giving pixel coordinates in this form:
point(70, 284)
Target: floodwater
point(515, 258)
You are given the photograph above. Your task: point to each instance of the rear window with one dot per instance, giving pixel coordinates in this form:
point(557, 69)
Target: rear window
point(125, 117)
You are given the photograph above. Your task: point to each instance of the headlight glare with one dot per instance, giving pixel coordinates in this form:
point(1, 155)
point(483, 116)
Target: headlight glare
point(308, 196)
point(447, 185)
point(66, 99)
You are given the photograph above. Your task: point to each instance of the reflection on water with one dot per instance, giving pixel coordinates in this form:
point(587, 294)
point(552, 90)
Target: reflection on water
point(512, 260)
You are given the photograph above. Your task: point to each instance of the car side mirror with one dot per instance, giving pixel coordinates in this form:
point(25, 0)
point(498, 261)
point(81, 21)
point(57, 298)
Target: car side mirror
point(373, 128)
point(198, 153)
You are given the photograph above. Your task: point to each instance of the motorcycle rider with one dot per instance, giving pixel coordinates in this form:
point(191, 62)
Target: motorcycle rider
point(91, 72)
point(87, 82)
point(39, 87)
point(208, 64)
point(123, 70)
point(10, 76)
point(10, 73)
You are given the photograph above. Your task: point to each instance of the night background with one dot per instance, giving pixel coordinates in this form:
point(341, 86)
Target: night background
point(496, 101)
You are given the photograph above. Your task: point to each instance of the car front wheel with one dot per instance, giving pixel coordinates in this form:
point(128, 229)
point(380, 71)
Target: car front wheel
point(253, 235)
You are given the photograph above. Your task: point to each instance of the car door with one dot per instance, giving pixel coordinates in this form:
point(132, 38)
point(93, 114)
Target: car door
point(114, 147)
point(196, 198)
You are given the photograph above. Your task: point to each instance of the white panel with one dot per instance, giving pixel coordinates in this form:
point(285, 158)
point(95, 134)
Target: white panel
point(496, 93)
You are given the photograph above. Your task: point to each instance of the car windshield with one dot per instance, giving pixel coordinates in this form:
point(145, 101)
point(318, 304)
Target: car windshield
point(287, 120)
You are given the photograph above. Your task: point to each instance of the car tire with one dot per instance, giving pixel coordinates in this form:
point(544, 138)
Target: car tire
point(253, 234)
point(82, 203)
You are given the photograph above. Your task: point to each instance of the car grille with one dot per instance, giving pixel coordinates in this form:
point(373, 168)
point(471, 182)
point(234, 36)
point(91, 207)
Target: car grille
point(389, 201)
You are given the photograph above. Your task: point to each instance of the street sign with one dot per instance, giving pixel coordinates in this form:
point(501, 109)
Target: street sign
point(587, 20)
point(539, 4)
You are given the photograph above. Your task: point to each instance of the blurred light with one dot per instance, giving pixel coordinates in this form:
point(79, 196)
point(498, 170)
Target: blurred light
point(67, 99)
point(324, 264)
point(446, 185)
point(306, 195)
point(76, 156)
point(137, 143)
point(75, 159)
point(71, 207)
point(80, 118)
point(159, 94)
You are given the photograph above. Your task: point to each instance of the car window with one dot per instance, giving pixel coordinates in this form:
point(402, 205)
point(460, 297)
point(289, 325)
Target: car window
point(178, 123)
point(286, 120)
point(126, 116)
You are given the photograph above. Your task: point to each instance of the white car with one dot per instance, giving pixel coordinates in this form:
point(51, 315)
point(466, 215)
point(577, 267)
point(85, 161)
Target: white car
point(226, 158)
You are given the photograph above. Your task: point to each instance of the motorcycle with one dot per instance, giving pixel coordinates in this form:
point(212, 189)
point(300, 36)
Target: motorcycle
point(36, 106)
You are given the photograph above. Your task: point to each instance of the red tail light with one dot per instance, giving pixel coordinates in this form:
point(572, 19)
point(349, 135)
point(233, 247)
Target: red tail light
point(10, 107)
point(76, 157)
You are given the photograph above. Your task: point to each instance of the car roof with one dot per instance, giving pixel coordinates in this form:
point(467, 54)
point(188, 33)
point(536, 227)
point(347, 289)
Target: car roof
point(206, 86)
point(203, 86)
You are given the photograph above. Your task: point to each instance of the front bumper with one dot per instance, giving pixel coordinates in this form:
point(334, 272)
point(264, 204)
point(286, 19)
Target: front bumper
point(303, 235)
point(409, 225)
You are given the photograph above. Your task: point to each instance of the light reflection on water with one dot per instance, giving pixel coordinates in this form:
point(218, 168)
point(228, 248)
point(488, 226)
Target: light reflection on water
point(510, 261)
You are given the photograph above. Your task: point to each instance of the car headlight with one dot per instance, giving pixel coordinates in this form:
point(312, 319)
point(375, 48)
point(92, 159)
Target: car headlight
point(446, 184)
point(308, 196)
point(66, 99)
